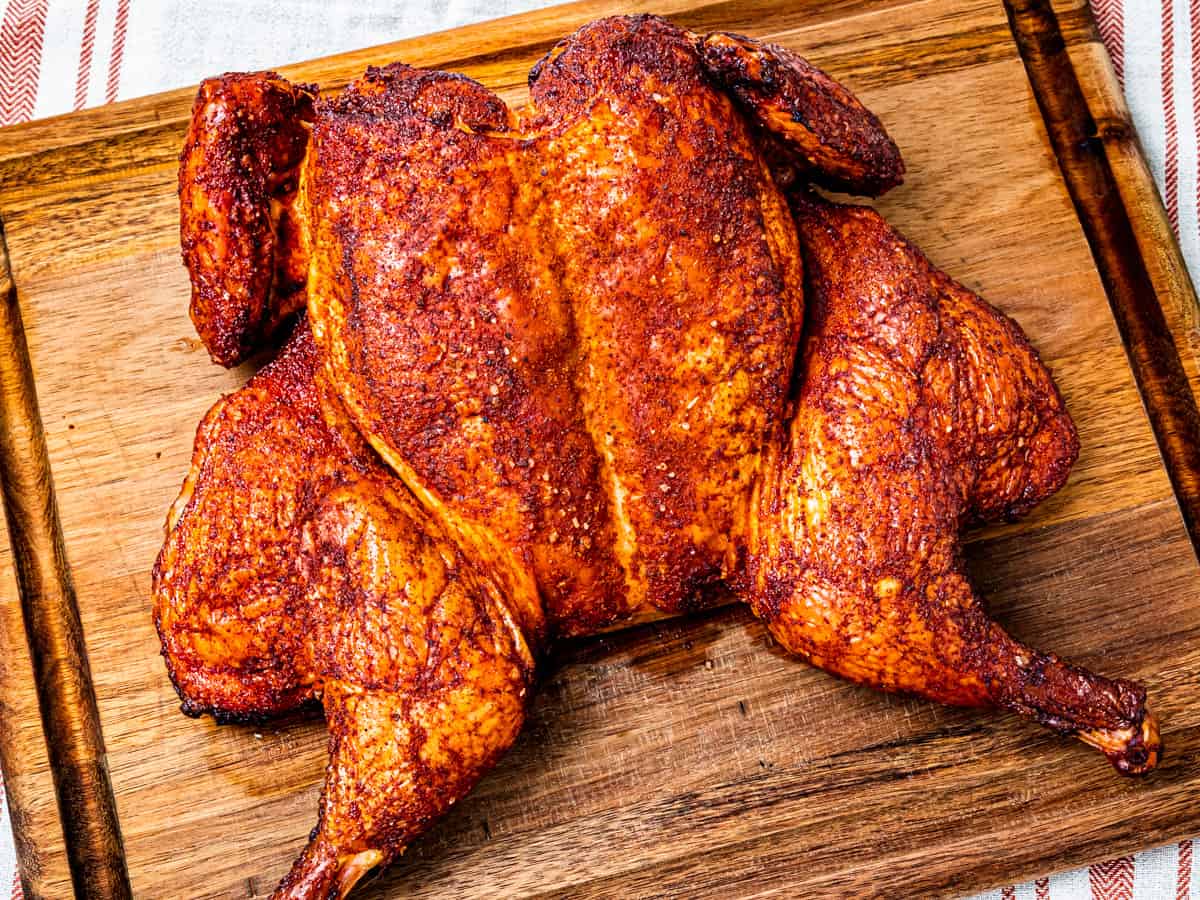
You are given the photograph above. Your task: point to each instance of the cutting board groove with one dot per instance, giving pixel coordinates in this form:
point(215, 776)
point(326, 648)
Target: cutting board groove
point(681, 757)
point(1156, 361)
point(50, 615)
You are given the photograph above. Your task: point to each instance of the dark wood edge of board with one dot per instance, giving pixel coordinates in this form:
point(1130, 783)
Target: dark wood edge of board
point(66, 698)
point(1083, 157)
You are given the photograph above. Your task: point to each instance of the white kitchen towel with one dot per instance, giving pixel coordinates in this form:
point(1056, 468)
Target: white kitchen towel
point(61, 55)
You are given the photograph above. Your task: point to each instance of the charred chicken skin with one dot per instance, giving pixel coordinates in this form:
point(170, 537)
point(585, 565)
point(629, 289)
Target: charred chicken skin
point(551, 375)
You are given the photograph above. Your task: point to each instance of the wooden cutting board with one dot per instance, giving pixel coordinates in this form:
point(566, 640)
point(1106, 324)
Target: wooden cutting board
point(680, 758)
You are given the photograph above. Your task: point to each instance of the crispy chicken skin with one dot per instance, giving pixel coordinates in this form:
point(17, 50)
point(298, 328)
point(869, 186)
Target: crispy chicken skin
point(224, 586)
point(296, 567)
point(921, 409)
point(550, 383)
point(425, 671)
point(237, 199)
point(449, 337)
point(819, 125)
point(505, 351)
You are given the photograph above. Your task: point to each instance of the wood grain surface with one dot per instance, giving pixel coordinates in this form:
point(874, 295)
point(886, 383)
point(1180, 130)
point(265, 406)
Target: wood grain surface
point(676, 758)
point(61, 676)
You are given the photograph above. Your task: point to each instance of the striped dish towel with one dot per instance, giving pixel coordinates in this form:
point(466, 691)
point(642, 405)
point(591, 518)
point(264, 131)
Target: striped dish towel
point(60, 55)
point(1155, 50)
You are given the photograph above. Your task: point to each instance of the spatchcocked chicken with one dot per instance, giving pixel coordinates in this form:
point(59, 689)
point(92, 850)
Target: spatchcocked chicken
point(552, 374)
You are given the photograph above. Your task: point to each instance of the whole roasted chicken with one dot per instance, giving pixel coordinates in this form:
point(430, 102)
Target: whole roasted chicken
point(552, 374)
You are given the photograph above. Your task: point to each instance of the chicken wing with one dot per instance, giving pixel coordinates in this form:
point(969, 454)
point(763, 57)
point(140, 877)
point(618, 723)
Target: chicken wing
point(818, 125)
point(238, 193)
point(425, 671)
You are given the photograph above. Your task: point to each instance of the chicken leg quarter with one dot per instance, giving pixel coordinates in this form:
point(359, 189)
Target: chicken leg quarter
point(327, 579)
point(551, 375)
point(921, 409)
